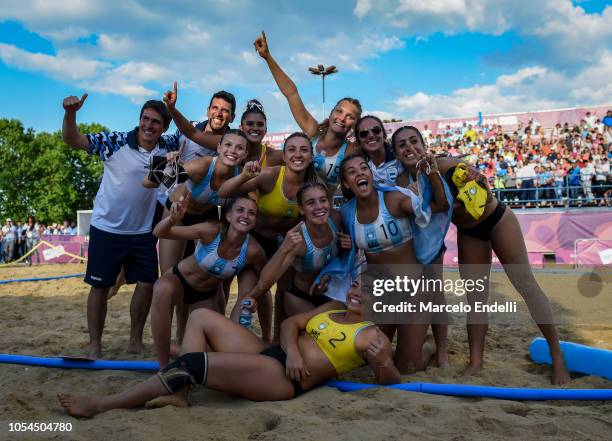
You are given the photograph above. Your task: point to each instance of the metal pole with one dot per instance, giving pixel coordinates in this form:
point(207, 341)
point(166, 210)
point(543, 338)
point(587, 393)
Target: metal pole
point(323, 77)
point(567, 193)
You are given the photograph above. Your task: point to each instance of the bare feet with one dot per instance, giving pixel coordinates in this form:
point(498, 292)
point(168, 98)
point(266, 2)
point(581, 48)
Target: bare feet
point(136, 347)
point(442, 358)
point(472, 369)
point(427, 352)
point(79, 406)
point(95, 352)
point(560, 374)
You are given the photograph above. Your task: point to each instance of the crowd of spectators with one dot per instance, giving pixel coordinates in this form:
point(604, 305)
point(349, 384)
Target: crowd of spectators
point(529, 167)
point(17, 238)
point(533, 166)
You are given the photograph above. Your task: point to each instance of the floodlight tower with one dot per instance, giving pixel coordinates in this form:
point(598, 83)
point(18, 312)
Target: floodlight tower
point(323, 72)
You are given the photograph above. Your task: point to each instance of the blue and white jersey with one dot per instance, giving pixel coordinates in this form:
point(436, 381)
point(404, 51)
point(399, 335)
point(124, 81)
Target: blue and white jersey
point(385, 233)
point(207, 258)
point(202, 192)
point(314, 259)
point(328, 167)
point(122, 205)
point(429, 229)
point(385, 175)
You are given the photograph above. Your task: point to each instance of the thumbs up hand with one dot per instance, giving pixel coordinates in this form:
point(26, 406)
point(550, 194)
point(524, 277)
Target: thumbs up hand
point(73, 103)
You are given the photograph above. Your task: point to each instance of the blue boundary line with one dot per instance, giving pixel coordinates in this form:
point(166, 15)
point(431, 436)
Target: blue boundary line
point(39, 279)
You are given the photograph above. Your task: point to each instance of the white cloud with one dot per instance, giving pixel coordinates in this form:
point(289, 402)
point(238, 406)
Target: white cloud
point(362, 7)
point(520, 76)
point(126, 79)
point(116, 46)
point(59, 66)
point(136, 49)
point(439, 7)
point(531, 88)
point(304, 58)
point(42, 10)
point(130, 80)
point(203, 51)
point(566, 33)
point(249, 58)
point(278, 96)
point(373, 45)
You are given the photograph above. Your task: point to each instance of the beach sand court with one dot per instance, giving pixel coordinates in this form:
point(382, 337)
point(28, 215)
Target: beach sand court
point(48, 319)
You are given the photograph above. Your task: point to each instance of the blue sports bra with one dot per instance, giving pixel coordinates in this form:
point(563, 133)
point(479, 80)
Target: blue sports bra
point(202, 192)
point(385, 233)
point(207, 258)
point(314, 259)
point(328, 167)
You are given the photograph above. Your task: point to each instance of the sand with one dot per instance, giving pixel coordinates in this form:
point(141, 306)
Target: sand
point(48, 318)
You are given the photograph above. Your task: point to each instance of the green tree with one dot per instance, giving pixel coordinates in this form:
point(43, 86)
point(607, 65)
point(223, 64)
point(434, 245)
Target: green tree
point(41, 175)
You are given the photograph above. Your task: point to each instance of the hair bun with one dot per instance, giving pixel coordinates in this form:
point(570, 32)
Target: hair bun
point(254, 104)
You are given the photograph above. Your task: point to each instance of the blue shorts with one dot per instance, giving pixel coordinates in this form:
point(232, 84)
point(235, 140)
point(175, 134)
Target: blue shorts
point(108, 252)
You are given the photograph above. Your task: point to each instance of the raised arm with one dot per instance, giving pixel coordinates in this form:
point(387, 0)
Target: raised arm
point(204, 139)
point(256, 256)
point(439, 203)
point(167, 228)
point(197, 168)
point(292, 247)
point(399, 204)
point(70, 131)
point(287, 87)
point(248, 180)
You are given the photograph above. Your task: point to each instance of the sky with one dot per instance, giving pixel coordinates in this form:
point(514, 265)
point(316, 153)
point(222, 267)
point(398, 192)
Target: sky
point(405, 59)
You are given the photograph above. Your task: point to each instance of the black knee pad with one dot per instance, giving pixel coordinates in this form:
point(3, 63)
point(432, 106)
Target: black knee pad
point(188, 369)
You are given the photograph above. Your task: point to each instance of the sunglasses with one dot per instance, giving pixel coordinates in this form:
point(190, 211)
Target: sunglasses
point(254, 123)
point(377, 130)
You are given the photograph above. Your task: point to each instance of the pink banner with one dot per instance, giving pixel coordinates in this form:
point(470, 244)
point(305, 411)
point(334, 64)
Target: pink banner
point(509, 121)
point(553, 233)
point(594, 252)
point(60, 249)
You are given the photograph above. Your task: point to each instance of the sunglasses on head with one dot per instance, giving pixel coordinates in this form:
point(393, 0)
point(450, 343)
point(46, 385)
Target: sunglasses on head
point(254, 105)
point(254, 123)
point(377, 130)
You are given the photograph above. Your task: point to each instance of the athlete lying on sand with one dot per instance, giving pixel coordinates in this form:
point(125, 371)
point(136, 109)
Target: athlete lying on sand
point(236, 361)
